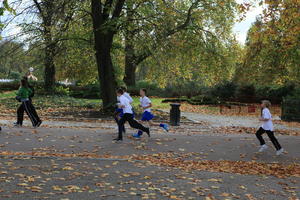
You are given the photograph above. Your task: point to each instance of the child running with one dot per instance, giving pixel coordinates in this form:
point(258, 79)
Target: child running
point(119, 111)
point(23, 95)
point(267, 127)
point(147, 115)
point(127, 116)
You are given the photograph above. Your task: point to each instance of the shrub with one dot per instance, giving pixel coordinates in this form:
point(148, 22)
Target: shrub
point(275, 93)
point(152, 88)
point(183, 89)
point(225, 90)
point(204, 100)
point(14, 75)
point(8, 86)
point(61, 90)
point(246, 93)
point(91, 91)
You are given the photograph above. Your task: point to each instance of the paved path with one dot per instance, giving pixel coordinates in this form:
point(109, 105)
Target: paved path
point(57, 177)
point(225, 121)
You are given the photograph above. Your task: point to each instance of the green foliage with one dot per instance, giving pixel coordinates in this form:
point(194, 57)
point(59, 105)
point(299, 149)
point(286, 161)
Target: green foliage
point(61, 90)
point(204, 100)
point(272, 54)
point(246, 93)
point(152, 88)
point(225, 90)
point(91, 91)
point(9, 86)
point(13, 59)
point(14, 75)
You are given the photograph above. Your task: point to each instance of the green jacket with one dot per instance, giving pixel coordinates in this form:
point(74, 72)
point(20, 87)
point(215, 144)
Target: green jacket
point(24, 93)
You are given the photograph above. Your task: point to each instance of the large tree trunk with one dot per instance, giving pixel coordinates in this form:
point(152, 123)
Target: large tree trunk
point(103, 45)
point(49, 73)
point(106, 71)
point(130, 62)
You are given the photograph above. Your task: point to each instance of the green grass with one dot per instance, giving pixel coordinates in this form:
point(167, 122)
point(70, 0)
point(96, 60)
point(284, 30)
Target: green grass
point(156, 103)
point(7, 100)
point(10, 94)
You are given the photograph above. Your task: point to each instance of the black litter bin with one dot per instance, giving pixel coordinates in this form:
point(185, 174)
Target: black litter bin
point(175, 114)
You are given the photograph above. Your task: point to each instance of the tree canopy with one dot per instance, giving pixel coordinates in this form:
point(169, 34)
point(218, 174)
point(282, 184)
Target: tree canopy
point(117, 42)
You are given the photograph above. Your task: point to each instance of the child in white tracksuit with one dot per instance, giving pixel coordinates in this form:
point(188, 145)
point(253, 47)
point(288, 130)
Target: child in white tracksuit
point(267, 127)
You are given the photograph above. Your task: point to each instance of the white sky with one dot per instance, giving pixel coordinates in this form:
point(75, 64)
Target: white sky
point(240, 29)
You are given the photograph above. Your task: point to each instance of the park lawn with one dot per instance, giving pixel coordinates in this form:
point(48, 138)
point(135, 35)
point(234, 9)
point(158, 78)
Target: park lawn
point(64, 105)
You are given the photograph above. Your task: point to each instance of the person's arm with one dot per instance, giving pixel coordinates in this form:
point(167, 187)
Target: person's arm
point(266, 116)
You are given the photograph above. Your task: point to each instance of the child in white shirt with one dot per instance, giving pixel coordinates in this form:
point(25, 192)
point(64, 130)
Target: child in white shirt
point(127, 116)
point(147, 116)
point(119, 112)
point(267, 127)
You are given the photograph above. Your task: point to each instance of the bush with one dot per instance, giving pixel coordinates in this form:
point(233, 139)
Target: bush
point(275, 94)
point(246, 93)
point(225, 90)
point(91, 91)
point(61, 90)
point(14, 75)
point(204, 100)
point(9, 86)
point(152, 88)
point(183, 89)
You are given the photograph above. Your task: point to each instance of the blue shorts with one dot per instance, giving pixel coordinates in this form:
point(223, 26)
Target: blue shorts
point(120, 111)
point(147, 116)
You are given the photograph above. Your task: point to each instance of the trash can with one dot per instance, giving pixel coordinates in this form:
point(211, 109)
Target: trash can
point(175, 114)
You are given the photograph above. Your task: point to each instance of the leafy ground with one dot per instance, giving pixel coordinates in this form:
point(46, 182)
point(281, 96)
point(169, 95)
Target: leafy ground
point(68, 159)
point(84, 163)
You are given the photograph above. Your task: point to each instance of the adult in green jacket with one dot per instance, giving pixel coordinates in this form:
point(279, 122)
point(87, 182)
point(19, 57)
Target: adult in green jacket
point(23, 95)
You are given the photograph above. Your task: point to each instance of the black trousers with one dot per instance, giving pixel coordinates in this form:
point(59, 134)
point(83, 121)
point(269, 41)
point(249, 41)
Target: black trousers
point(132, 122)
point(117, 120)
point(27, 107)
point(273, 139)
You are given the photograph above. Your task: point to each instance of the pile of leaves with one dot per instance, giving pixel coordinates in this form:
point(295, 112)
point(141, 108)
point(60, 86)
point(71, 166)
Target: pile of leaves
point(177, 160)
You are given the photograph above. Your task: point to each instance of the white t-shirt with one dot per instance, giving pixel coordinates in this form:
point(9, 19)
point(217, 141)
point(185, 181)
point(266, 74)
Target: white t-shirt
point(125, 102)
point(267, 125)
point(145, 102)
point(127, 95)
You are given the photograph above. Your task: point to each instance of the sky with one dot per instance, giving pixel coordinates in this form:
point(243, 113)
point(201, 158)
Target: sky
point(240, 29)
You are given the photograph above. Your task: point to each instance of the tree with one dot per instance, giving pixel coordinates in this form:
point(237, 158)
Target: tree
point(272, 54)
point(4, 7)
point(55, 16)
point(106, 18)
point(150, 25)
point(12, 58)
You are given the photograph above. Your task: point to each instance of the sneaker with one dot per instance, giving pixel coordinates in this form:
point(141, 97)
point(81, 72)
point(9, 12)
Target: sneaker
point(140, 132)
point(136, 136)
point(118, 139)
point(263, 148)
point(38, 124)
point(17, 124)
point(166, 127)
point(279, 152)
